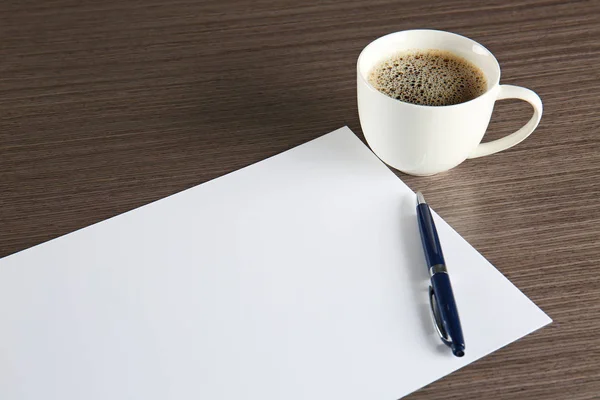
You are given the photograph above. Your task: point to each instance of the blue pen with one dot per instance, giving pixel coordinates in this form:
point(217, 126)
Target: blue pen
point(443, 306)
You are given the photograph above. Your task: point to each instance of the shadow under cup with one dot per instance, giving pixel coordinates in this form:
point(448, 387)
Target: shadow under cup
point(418, 139)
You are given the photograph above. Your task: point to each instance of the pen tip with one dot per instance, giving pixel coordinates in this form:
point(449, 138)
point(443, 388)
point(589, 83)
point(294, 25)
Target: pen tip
point(458, 350)
point(420, 198)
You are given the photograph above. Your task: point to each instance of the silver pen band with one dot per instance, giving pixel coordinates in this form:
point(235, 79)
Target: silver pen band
point(437, 268)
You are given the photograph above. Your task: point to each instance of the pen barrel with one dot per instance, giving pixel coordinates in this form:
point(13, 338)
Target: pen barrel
point(429, 236)
point(446, 304)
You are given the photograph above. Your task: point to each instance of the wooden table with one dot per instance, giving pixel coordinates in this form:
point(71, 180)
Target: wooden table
point(106, 106)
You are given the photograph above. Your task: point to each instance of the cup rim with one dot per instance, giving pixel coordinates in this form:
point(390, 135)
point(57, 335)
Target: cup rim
point(371, 87)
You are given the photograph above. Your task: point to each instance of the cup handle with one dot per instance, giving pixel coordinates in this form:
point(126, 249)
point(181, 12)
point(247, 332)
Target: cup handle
point(512, 92)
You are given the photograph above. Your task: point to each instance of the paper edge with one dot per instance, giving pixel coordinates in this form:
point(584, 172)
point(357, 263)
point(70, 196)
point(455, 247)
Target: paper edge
point(494, 350)
point(341, 129)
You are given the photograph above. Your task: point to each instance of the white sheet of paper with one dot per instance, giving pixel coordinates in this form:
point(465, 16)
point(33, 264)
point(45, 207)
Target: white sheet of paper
point(299, 277)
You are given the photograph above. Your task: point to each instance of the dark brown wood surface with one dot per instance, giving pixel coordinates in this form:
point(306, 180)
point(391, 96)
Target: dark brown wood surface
point(108, 105)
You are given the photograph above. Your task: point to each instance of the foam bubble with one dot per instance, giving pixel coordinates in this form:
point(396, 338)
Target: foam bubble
point(428, 77)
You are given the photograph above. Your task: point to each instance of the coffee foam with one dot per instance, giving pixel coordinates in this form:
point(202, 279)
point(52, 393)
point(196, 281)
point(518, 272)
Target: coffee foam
point(428, 77)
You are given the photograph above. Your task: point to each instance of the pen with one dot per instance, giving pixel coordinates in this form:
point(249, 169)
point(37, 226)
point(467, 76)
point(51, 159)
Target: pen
point(441, 298)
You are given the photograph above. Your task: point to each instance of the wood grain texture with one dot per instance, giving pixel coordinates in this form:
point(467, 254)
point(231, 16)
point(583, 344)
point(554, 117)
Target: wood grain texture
point(106, 106)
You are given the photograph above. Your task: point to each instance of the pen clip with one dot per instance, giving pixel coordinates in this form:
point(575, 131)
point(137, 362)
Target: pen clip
point(437, 319)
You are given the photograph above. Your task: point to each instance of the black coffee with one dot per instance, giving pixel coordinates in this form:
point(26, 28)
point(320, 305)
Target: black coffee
point(428, 77)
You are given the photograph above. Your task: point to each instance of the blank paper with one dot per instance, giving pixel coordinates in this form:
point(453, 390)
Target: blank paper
point(299, 277)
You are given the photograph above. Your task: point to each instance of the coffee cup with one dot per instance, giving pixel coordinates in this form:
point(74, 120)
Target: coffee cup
point(425, 140)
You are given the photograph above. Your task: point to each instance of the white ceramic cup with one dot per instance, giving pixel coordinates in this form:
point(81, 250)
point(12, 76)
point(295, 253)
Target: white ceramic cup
point(425, 140)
